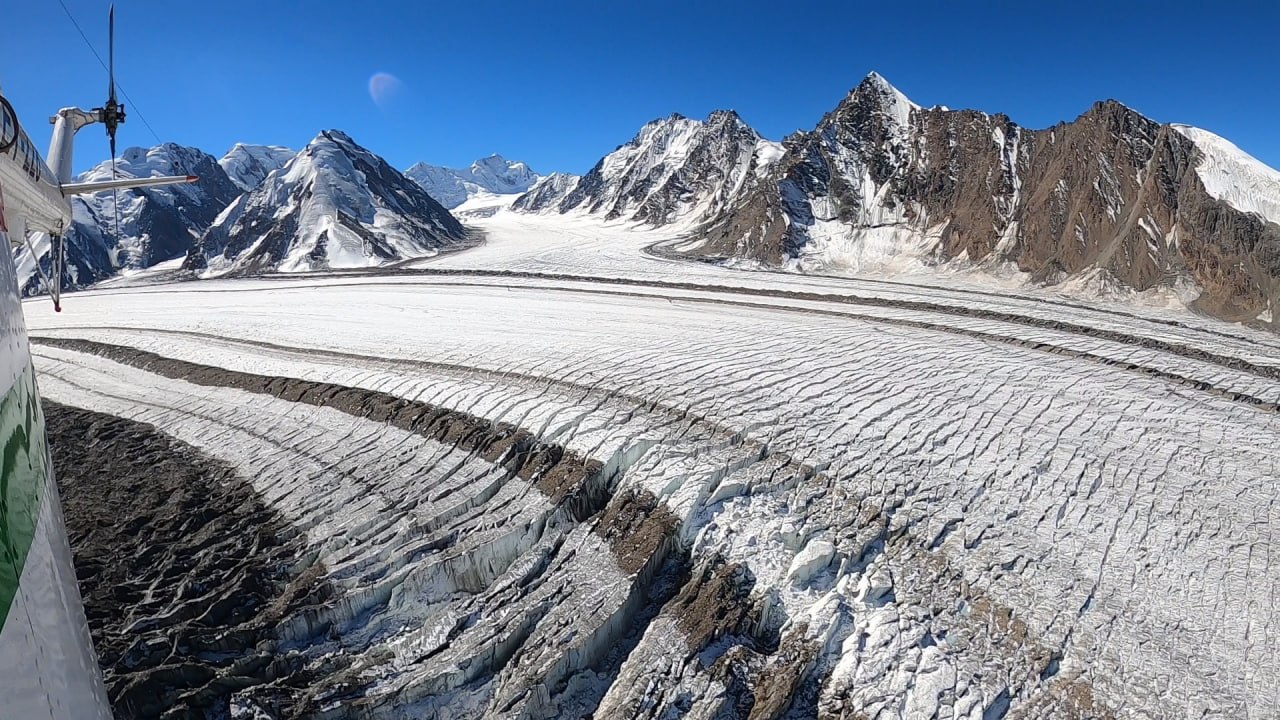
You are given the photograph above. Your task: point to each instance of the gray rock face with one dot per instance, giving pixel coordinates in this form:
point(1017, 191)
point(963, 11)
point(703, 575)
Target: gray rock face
point(675, 169)
point(547, 193)
point(334, 205)
point(1112, 194)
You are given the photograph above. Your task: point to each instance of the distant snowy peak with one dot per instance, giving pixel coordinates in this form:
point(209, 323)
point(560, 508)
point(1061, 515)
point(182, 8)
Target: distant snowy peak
point(441, 183)
point(452, 187)
point(501, 176)
point(166, 159)
point(249, 165)
point(676, 169)
point(1235, 177)
point(333, 205)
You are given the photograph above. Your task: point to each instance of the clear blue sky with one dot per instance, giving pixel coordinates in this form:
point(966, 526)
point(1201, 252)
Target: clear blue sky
point(558, 84)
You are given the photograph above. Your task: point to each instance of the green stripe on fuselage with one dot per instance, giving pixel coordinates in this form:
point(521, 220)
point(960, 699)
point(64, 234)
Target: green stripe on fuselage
point(24, 473)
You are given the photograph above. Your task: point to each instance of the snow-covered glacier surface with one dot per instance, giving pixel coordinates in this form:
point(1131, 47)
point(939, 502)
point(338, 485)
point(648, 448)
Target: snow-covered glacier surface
point(559, 475)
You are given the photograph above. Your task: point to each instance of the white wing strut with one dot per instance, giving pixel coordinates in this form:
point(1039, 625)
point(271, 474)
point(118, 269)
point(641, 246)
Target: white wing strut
point(92, 187)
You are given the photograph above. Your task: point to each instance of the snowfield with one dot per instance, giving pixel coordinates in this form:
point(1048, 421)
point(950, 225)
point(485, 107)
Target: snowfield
point(566, 474)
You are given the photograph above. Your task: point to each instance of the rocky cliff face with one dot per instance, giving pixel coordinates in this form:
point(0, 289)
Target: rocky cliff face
point(547, 194)
point(334, 205)
point(882, 183)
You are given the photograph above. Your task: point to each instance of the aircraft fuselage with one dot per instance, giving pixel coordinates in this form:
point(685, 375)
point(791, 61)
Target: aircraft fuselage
point(29, 191)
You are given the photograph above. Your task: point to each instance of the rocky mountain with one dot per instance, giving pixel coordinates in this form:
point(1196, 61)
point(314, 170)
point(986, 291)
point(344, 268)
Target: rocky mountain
point(547, 193)
point(334, 205)
point(675, 169)
point(156, 224)
point(249, 165)
point(1111, 198)
point(495, 174)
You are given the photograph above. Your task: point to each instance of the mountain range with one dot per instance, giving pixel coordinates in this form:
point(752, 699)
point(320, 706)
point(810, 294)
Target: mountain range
point(1111, 200)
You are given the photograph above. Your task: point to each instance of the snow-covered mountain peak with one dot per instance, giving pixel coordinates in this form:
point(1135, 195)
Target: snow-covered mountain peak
point(248, 165)
point(674, 169)
point(502, 176)
point(876, 82)
point(489, 175)
point(329, 149)
point(724, 117)
point(136, 228)
point(164, 159)
point(334, 205)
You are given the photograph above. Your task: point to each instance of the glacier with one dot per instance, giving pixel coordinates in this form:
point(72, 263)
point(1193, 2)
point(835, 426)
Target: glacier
point(566, 474)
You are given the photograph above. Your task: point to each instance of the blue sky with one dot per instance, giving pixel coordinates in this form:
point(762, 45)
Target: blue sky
point(558, 84)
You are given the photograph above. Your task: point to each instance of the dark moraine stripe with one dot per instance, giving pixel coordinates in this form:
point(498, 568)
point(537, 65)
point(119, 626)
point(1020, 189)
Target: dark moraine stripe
point(562, 475)
point(185, 572)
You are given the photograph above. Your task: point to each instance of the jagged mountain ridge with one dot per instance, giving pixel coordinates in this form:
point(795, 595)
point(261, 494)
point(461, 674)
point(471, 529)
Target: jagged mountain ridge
point(1112, 196)
point(494, 174)
point(675, 169)
point(333, 205)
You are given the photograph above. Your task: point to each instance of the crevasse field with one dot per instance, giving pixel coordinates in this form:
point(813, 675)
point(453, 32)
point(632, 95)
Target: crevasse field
point(563, 474)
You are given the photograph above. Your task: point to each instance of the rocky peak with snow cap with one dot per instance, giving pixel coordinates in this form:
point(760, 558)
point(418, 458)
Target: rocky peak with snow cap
point(1112, 200)
point(334, 205)
point(547, 193)
point(675, 169)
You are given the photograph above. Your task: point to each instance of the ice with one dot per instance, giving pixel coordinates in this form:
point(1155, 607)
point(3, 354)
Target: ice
point(816, 495)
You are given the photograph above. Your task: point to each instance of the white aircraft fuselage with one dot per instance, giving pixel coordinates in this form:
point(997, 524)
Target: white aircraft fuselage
point(31, 197)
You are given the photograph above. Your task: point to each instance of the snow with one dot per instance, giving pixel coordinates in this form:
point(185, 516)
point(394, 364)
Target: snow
point(661, 146)
point(493, 175)
point(249, 165)
point(933, 488)
point(768, 153)
point(1235, 177)
point(810, 561)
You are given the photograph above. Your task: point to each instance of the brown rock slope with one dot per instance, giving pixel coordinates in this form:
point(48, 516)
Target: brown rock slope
point(1111, 192)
